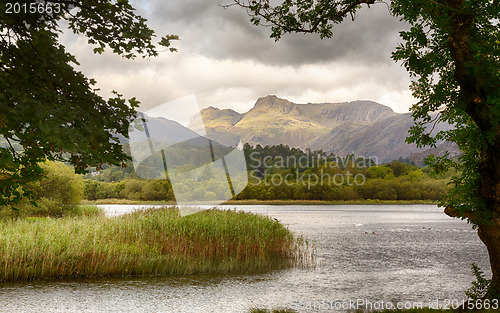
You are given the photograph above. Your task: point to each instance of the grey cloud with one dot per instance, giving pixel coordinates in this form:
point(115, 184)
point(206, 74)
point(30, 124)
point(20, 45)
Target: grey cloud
point(213, 31)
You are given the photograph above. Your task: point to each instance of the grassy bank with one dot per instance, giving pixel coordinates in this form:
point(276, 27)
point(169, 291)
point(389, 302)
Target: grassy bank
point(322, 202)
point(425, 310)
point(47, 209)
point(150, 242)
point(271, 202)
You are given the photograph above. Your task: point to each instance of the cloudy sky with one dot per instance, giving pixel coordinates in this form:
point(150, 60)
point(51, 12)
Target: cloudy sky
point(227, 62)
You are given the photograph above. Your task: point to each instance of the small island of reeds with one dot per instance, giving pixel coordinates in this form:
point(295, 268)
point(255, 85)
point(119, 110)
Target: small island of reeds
point(155, 241)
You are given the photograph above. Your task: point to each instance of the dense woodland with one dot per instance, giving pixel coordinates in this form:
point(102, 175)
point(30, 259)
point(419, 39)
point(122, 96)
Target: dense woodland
point(284, 173)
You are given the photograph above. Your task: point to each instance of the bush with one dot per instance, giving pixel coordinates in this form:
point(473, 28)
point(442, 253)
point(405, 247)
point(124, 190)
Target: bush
point(348, 193)
point(135, 189)
point(132, 190)
point(482, 288)
point(155, 190)
point(56, 195)
point(61, 185)
point(92, 190)
point(95, 190)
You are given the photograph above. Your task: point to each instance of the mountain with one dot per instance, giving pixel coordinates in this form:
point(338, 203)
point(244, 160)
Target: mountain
point(215, 118)
point(274, 120)
point(162, 142)
point(168, 131)
point(363, 128)
point(384, 139)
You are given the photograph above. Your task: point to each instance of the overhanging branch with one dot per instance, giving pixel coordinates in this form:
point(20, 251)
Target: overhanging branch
point(455, 213)
point(262, 9)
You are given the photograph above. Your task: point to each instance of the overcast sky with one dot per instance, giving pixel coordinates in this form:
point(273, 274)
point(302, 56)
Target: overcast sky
point(227, 62)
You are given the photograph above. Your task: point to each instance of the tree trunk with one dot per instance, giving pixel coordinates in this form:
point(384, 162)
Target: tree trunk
point(490, 235)
point(489, 232)
point(476, 99)
point(489, 225)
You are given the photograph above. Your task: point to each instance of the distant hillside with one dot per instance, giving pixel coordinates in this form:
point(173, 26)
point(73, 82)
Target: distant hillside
point(440, 150)
point(165, 130)
point(384, 139)
point(364, 128)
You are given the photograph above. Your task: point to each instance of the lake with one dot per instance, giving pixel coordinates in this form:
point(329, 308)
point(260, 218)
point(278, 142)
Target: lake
point(366, 254)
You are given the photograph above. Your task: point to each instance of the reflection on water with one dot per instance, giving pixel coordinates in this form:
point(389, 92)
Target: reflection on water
point(389, 252)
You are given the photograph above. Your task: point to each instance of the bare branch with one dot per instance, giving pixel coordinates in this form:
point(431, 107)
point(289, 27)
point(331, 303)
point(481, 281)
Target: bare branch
point(435, 121)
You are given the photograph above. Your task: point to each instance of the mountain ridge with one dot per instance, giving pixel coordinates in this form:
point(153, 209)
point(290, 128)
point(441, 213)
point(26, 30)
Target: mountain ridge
point(362, 127)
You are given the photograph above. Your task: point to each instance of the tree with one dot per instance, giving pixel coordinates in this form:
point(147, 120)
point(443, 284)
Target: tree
point(49, 110)
point(452, 54)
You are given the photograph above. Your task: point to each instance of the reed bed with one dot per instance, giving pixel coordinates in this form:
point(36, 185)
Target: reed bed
point(151, 242)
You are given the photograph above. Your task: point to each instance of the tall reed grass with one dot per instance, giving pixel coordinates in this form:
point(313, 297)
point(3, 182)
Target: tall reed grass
point(152, 242)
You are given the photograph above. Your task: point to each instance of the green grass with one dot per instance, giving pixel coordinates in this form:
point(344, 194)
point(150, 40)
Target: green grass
point(272, 311)
point(152, 242)
point(46, 208)
point(425, 310)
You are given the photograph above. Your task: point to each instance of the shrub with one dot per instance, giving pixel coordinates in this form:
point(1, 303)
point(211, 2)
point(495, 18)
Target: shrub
point(132, 190)
point(154, 190)
point(60, 185)
point(55, 195)
point(482, 288)
point(92, 190)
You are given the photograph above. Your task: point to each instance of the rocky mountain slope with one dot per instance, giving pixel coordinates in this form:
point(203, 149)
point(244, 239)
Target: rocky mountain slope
point(364, 128)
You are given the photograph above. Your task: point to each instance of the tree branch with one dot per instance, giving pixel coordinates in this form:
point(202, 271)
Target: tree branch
point(339, 14)
point(456, 214)
point(266, 12)
point(435, 121)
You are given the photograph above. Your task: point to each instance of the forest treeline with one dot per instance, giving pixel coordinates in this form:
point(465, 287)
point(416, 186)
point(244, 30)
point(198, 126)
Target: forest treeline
point(284, 173)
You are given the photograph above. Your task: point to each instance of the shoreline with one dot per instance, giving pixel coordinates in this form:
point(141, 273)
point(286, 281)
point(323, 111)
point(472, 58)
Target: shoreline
point(268, 202)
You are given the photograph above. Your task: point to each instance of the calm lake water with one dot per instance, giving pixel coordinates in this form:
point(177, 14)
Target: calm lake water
point(374, 253)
